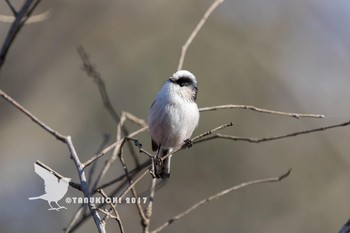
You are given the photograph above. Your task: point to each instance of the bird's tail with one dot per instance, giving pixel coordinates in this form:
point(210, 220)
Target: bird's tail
point(162, 167)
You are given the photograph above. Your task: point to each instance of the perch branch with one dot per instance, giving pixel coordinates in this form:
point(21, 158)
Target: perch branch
point(194, 33)
point(258, 140)
point(253, 108)
point(218, 195)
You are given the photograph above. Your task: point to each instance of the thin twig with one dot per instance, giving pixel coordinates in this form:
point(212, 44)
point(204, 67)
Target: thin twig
point(32, 19)
point(195, 139)
point(106, 138)
point(32, 117)
point(259, 140)
point(21, 16)
point(111, 147)
point(91, 71)
point(119, 152)
point(74, 156)
point(194, 33)
point(253, 108)
point(345, 228)
point(58, 175)
point(117, 217)
point(79, 212)
point(12, 8)
point(218, 195)
point(211, 131)
point(149, 208)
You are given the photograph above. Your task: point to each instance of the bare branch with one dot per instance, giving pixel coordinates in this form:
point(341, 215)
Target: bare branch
point(111, 147)
point(74, 156)
point(218, 195)
point(32, 19)
point(58, 175)
point(32, 117)
point(253, 108)
point(119, 152)
point(21, 17)
point(91, 71)
point(258, 140)
point(76, 216)
point(84, 186)
point(212, 131)
point(117, 217)
point(106, 138)
point(345, 228)
point(194, 33)
point(12, 8)
point(149, 208)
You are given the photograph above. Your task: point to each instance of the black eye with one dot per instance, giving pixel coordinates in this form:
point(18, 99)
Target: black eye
point(184, 81)
point(181, 84)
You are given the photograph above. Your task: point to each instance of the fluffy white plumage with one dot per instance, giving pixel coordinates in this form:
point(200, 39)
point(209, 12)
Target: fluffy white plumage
point(173, 116)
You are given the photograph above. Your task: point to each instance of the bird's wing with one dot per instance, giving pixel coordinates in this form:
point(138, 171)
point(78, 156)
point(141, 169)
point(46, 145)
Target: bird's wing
point(50, 180)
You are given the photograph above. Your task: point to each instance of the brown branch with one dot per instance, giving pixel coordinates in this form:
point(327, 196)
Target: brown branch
point(194, 33)
point(259, 140)
point(253, 108)
point(117, 217)
point(58, 175)
point(196, 139)
point(21, 16)
point(79, 212)
point(119, 152)
point(111, 147)
point(218, 195)
point(74, 156)
point(12, 8)
point(149, 208)
point(32, 19)
point(32, 117)
point(345, 228)
point(91, 71)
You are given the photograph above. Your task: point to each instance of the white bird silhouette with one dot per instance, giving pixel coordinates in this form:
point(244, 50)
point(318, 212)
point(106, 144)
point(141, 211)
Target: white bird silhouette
point(55, 188)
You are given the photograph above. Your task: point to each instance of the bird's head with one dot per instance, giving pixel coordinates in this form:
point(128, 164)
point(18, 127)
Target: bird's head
point(184, 83)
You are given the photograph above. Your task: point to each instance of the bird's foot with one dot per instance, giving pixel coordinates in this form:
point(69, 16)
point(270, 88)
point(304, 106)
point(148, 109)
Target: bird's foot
point(52, 208)
point(188, 142)
point(158, 162)
point(137, 143)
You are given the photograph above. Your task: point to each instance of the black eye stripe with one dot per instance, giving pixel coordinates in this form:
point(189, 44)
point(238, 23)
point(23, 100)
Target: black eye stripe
point(184, 81)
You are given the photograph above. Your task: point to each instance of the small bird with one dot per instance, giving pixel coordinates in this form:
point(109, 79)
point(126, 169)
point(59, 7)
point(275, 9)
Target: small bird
point(173, 117)
point(55, 188)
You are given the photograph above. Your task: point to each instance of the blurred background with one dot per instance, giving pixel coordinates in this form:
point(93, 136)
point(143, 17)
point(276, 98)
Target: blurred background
point(275, 54)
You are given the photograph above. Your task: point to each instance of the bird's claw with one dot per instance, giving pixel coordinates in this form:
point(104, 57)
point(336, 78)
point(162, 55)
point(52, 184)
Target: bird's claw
point(158, 161)
point(188, 142)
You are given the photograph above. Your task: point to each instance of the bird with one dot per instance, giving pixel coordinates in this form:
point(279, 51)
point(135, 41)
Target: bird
point(172, 118)
point(55, 188)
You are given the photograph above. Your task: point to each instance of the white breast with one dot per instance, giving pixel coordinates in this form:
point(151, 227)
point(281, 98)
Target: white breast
point(172, 119)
